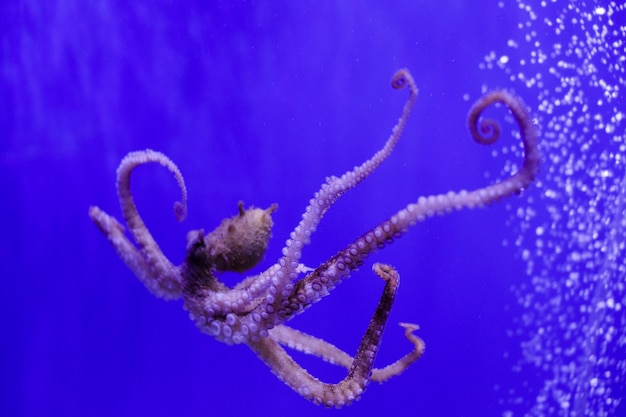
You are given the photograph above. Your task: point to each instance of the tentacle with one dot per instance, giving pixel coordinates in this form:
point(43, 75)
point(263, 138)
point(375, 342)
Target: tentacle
point(230, 315)
point(311, 345)
point(128, 164)
point(324, 279)
point(401, 365)
point(532, 157)
point(161, 269)
point(350, 388)
point(114, 231)
point(330, 192)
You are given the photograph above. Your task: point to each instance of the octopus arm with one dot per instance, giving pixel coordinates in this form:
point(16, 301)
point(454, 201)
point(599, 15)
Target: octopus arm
point(114, 232)
point(359, 373)
point(311, 345)
point(148, 262)
point(328, 275)
point(332, 189)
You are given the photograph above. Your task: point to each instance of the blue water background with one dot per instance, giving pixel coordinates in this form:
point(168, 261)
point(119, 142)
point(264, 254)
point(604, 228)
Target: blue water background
point(256, 102)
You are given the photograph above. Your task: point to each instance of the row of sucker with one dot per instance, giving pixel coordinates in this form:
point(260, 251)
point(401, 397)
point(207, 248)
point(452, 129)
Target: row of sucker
point(329, 193)
point(325, 278)
point(166, 282)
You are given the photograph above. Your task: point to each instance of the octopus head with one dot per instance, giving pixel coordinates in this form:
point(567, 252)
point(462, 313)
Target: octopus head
point(239, 243)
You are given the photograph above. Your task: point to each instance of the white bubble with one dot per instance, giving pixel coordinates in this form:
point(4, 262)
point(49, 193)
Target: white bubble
point(571, 226)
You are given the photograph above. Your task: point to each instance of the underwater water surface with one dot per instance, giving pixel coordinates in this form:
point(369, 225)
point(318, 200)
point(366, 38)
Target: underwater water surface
point(521, 304)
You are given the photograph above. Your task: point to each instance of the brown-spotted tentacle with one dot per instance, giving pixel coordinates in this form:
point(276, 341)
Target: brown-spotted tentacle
point(324, 279)
point(330, 192)
point(164, 272)
point(353, 385)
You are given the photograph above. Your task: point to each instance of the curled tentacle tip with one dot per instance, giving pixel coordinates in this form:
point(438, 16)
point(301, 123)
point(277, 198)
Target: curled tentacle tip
point(180, 211)
point(488, 132)
point(403, 78)
point(386, 272)
point(399, 79)
point(410, 327)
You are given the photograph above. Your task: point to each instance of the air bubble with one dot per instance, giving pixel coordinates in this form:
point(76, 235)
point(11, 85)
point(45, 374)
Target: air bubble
point(569, 58)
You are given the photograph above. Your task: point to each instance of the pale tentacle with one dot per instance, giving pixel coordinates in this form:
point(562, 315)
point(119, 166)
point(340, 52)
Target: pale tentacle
point(324, 279)
point(159, 275)
point(399, 366)
point(311, 345)
point(331, 191)
point(114, 232)
point(351, 387)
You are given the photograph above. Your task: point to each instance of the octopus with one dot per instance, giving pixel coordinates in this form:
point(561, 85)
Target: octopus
point(255, 310)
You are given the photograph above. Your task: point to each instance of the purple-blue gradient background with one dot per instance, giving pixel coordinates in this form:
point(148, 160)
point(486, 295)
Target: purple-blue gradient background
point(254, 102)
